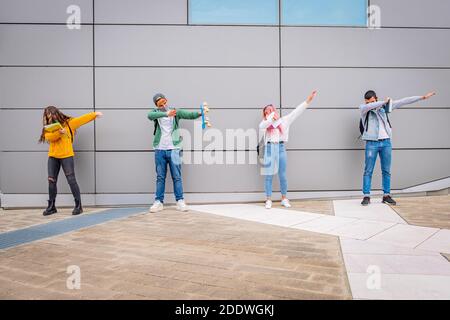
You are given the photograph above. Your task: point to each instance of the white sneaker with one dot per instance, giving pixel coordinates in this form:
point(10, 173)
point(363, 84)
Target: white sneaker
point(181, 206)
point(157, 206)
point(268, 204)
point(285, 203)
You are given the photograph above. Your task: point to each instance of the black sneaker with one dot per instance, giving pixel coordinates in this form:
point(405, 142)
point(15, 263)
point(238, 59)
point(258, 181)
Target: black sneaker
point(389, 200)
point(366, 201)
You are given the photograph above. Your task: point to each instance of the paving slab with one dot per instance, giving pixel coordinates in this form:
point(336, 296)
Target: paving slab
point(376, 211)
point(400, 287)
point(439, 242)
point(404, 235)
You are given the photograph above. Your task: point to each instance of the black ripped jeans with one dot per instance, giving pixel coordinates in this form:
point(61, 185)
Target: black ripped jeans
point(54, 165)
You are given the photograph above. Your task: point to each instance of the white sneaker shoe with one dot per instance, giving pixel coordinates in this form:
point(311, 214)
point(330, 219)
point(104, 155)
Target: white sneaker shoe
point(268, 204)
point(181, 206)
point(157, 206)
point(285, 203)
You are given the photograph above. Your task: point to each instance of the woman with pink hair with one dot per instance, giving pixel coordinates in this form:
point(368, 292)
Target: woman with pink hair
point(275, 132)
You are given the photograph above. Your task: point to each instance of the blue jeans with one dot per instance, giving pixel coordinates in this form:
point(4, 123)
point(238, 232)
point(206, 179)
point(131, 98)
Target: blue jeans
point(173, 158)
point(373, 148)
point(275, 161)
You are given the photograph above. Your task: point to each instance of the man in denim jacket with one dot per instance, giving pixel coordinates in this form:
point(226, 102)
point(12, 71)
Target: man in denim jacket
point(377, 134)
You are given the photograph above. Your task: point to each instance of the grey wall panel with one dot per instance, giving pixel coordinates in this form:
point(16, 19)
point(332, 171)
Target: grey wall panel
point(39, 87)
point(414, 13)
point(231, 130)
point(1, 151)
point(26, 172)
point(307, 170)
point(124, 130)
point(338, 129)
point(187, 87)
point(343, 170)
point(134, 170)
point(362, 47)
point(136, 173)
point(43, 11)
point(45, 45)
point(141, 11)
point(30, 122)
point(228, 177)
point(326, 170)
point(421, 128)
point(131, 130)
point(186, 46)
point(346, 87)
point(414, 167)
point(325, 129)
point(235, 69)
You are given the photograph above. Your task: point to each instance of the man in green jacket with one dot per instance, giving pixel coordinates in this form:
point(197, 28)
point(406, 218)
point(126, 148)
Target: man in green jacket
point(167, 145)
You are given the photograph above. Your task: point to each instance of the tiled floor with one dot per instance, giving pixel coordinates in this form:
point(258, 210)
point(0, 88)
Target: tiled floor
point(18, 219)
point(425, 211)
point(376, 211)
point(173, 255)
point(242, 251)
point(374, 239)
point(313, 206)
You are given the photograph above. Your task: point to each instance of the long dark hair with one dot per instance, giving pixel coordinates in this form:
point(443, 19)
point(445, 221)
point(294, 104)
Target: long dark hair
point(52, 115)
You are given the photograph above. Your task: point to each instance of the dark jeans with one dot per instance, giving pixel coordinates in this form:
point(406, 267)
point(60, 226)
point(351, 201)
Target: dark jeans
point(54, 165)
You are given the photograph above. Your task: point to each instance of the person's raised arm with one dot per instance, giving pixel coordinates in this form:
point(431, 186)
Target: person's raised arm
point(300, 108)
point(364, 108)
point(265, 123)
point(188, 115)
point(405, 101)
point(156, 114)
point(75, 123)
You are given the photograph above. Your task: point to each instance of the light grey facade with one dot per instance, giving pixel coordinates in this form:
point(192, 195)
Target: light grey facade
point(126, 51)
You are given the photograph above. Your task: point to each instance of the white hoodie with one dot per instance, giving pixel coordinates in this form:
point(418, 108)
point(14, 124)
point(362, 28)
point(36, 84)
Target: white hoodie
point(285, 122)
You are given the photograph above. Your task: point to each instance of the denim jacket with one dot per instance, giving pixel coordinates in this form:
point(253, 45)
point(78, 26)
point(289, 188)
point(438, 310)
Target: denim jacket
point(382, 109)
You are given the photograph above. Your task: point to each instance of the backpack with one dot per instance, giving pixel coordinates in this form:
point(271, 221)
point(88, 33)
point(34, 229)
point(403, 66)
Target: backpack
point(366, 122)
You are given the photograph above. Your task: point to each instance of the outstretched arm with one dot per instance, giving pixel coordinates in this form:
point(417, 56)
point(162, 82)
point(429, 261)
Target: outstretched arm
point(153, 115)
point(75, 123)
point(189, 115)
point(364, 108)
point(299, 110)
point(267, 122)
point(399, 103)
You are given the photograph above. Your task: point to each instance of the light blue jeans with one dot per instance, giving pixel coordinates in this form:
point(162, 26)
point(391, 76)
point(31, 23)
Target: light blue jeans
point(373, 148)
point(173, 159)
point(275, 161)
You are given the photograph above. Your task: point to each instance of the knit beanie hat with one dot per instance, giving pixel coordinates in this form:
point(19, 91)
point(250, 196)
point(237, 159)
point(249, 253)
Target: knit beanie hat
point(157, 97)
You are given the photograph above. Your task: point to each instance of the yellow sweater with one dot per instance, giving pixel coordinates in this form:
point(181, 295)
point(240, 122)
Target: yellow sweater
point(61, 144)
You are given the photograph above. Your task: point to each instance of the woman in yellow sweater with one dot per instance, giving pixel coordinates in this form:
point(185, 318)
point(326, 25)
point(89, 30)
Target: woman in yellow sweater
point(61, 153)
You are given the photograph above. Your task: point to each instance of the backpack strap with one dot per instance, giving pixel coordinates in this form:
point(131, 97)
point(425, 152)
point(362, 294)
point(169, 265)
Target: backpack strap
point(389, 121)
point(156, 124)
point(71, 133)
point(366, 121)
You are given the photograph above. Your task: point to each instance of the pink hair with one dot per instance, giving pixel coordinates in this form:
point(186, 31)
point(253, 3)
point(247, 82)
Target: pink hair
point(271, 128)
